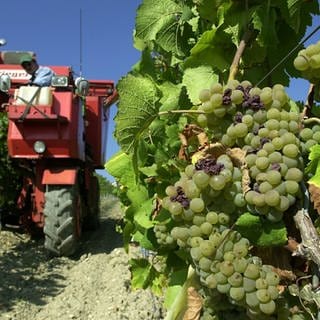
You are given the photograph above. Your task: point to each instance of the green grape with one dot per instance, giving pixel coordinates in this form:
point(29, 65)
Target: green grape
point(284, 204)
point(204, 95)
point(239, 200)
point(266, 96)
point(294, 174)
point(220, 112)
point(252, 300)
point(255, 91)
point(221, 278)
point(207, 107)
point(237, 96)
point(227, 245)
point(298, 316)
point(306, 134)
point(201, 179)
point(249, 285)
point(195, 241)
point(290, 162)
point(312, 49)
point(310, 143)
point(211, 281)
point(236, 175)
point(301, 63)
point(259, 200)
point(189, 170)
point(273, 177)
point(277, 143)
point(226, 267)
point(263, 132)
point(206, 228)
point(290, 150)
point(260, 117)
point(195, 231)
point(216, 100)
point(252, 271)
point(262, 153)
point(293, 126)
point(275, 215)
point(216, 88)
point(187, 215)
point(314, 61)
point(240, 250)
point(241, 130)
point(280, 95)
point(261, 283)
point(175, 208)
point(202, 120)
point(207, 248)
point(268, 308)
point(237, 294)
point(269, 147)
point(272, 124)
point(196, 253)
point(223, 288)
point(191, 190)
point(273, 292)
point(316, 136)
point(251, 159)
point(265, 186)
point(197, 205)
point(275, 157)
point(235, 280)
point(262, 163)
point(204, 264)
point(289, 137)
point(263, 295)
point(240, 264)
point(198, 220)
point(272, 278)
point(212, 217)
point(292, 187)
point(250, 195)
point(224, 218)
point(217, 182)
point(248, 120)
point(228, 256)
point(255, 142)
point(272, 198)
point(227, 140)
point(254, 171)
point(171, 191)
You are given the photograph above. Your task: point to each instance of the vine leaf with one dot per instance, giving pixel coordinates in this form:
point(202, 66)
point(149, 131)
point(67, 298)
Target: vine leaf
point(137, 108)
point(266, 233)
point(313, 169)
point(160, 21)
point(196, 79)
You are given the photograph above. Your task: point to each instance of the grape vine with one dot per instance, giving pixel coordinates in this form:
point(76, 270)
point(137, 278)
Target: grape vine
point(215, 170)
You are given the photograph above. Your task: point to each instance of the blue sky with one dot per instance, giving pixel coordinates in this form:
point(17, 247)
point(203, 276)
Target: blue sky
point(52, 30)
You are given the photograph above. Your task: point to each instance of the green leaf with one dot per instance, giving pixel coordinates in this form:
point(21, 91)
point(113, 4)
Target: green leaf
point(315, 180)
point(143, 273)
point(208, 51)
point(260, 232)
point(150, 171)
point(314, 157)
point(170, 96)
point(136, 110)
point(142, 215)
point(196, 79)
point(160, 21)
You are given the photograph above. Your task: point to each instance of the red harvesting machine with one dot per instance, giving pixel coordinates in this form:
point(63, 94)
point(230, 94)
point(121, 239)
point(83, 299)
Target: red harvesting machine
point(57, 134)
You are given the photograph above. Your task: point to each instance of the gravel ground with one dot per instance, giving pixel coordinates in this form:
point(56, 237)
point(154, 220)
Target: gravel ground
point(94, 285)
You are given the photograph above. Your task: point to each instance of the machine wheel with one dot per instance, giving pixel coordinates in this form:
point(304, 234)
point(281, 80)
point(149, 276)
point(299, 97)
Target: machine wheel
point(62, 224)
point(92, 220)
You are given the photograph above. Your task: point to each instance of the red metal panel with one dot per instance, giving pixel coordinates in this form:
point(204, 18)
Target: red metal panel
point(59, 176)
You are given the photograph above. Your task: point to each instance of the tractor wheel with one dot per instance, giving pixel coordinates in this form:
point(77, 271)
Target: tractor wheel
point(62, 214)
point(92, 219)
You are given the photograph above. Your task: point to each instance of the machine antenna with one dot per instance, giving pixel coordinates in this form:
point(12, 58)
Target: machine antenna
point(80, 42)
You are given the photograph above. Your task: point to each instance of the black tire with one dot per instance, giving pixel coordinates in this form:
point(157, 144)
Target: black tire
point(61, 224)
point(92, 219)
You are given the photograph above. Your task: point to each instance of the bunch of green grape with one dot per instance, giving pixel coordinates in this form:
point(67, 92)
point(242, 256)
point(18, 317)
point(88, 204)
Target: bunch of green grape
point(163, 235)
point(263, 125)
point(220, 255)
point(308, 62)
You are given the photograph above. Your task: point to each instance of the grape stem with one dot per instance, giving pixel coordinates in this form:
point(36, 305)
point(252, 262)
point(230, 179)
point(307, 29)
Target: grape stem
point(310, 120)
point(249, 35)
point(309, 101)
point(180, 111)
